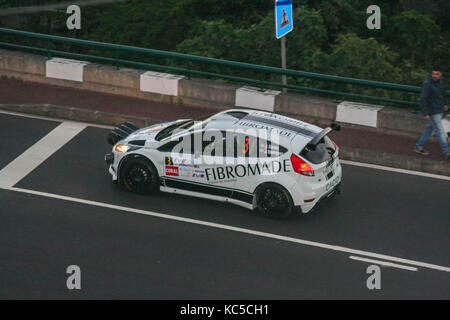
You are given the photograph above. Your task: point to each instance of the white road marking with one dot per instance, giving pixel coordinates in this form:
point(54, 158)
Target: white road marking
point(237, 229)
point(414, 173)
point(384, 263)
point(32, 116)
point(38, 153)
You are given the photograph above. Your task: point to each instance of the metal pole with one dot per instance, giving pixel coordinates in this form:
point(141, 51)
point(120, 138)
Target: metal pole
point(283, 61)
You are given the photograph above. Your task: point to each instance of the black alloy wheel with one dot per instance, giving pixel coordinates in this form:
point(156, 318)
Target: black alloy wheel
point(139, 176)
point(274, 201)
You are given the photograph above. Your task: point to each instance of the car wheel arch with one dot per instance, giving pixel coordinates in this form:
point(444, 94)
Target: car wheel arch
point(263, 184)
point(288, 206)
point(131, 157)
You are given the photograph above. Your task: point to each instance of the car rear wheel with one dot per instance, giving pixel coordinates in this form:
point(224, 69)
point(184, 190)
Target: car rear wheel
point(139, 176)
point(274, 201)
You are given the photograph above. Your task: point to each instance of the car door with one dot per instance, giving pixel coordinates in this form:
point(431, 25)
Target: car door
point(214, 164)
point(191, 171)
point(258, 161)
point(179, 162)
point(228, 172)
point(247, 162)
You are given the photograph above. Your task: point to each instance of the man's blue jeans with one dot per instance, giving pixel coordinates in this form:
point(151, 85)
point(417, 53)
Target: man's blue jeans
point(434, 124)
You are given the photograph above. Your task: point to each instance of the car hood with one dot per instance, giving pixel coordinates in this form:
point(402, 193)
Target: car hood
point(149, 133)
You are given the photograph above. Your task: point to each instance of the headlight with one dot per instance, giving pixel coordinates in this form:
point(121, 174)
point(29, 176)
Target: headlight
point(123, 148)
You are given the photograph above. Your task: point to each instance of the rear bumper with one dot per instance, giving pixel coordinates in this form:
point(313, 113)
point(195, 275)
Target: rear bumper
point(329, 195)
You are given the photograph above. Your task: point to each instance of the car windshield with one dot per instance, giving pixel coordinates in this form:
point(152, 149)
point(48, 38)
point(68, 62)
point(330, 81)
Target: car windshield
point(319, 153)
point(181, 126)
point(166, 132)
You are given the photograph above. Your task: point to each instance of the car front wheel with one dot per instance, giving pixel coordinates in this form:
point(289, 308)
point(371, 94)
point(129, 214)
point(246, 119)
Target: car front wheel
point(139, 176)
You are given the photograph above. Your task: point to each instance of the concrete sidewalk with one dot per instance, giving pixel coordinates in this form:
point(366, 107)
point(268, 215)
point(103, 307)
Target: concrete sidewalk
point(356, 144)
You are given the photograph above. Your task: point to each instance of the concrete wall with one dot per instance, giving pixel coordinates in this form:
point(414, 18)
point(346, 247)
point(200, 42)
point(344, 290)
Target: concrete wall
point(312, 108)
point(207, 93)
point(28, 67)
point(210, 93)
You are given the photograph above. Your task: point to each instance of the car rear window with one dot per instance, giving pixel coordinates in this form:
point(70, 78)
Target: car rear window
point(322, 152)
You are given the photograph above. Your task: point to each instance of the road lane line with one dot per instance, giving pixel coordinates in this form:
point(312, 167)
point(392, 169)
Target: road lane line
point(32, 116)
point(378, 167)
point(236, 229)
point(39, 152)
point(384, 263)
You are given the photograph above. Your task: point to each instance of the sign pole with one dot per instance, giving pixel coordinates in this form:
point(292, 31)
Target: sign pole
point(284, 23)
point(283, 62)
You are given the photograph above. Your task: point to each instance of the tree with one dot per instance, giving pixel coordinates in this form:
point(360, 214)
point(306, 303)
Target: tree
point(340, 16)
point(363, 58)
point(414, 33)
point(257, 43)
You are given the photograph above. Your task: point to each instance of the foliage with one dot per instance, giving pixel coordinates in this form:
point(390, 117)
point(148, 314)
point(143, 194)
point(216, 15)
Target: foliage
point(415, 34)
point(330, 36)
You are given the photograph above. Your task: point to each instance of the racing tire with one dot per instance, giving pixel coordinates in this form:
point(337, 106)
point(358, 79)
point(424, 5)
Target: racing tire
point(274, 201)
point(140, 176)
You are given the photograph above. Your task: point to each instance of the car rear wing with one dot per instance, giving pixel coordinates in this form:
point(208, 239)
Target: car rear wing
point(121, 132)
point(323, 133)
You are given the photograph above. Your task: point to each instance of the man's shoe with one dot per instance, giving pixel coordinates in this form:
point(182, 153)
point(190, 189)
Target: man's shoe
point(421, 151)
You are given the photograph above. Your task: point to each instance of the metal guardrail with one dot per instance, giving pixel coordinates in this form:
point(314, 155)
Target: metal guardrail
point(99, 51)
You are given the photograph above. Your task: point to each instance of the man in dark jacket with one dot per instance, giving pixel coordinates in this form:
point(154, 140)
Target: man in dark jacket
point(433, 103)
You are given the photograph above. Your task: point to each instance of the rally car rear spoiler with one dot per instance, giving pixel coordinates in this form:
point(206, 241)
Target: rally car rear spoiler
point(121, 132)
point(323, 133)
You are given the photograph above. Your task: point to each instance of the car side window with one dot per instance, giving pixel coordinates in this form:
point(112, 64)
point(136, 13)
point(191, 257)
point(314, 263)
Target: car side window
point(169, 146)
point(266, 149)
point(245, 146)
point(182, 145)
point(241, 145)
point(212, 142)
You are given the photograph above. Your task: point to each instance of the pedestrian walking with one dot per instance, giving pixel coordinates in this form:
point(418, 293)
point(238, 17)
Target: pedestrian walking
point(433, 104)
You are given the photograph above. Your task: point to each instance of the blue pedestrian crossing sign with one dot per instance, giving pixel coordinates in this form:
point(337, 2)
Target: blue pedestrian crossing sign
point(284, 21)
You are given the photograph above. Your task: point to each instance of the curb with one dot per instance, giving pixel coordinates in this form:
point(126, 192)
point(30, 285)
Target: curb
point(113, 119)
point(398, 161)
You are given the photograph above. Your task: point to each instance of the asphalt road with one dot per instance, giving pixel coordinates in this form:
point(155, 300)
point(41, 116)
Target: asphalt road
point(123, 253)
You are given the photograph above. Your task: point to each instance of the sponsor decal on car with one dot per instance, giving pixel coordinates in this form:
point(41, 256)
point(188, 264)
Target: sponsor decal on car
point(260, 126)
point(248, 170)
point(188, 171)
point(169, 161)
point(333, 183)
point(181, 162)
point(172, 171)
point(181, 168)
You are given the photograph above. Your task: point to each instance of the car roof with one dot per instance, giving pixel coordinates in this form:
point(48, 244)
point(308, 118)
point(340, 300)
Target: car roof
point(244, 119)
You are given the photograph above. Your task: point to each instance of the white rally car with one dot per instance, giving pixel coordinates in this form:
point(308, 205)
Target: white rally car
point(251, 158)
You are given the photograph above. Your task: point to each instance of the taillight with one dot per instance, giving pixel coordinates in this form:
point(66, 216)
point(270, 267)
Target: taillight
point(301, 166)
point(336, 145)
